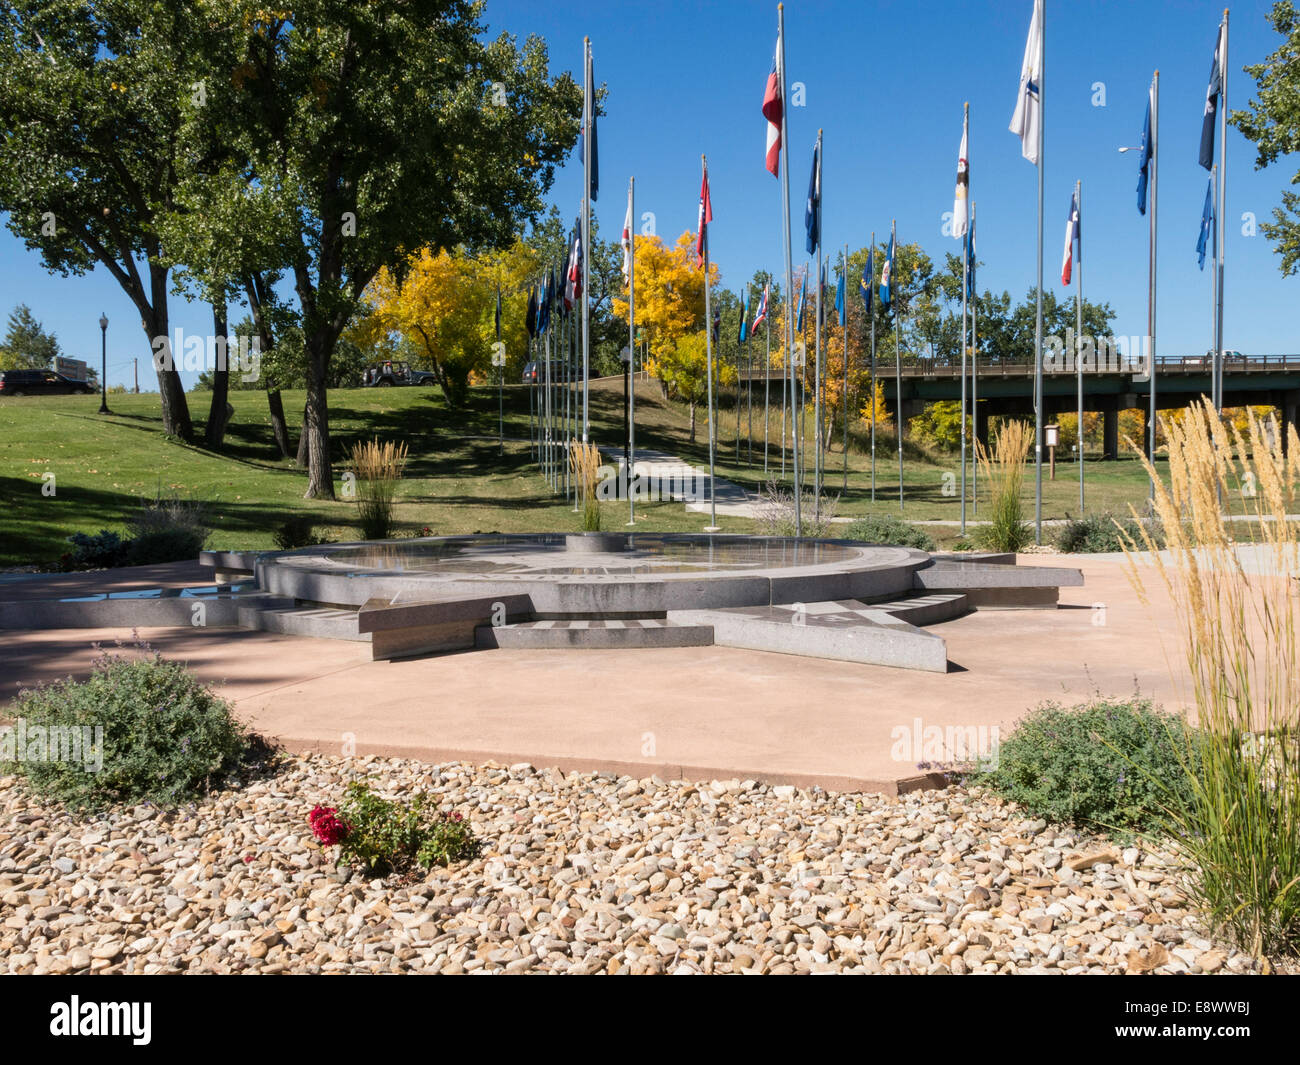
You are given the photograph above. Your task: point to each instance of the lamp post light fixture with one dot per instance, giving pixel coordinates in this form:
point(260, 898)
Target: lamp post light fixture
point(103, 364)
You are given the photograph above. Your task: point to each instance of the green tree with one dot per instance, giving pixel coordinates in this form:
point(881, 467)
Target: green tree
point(361, 132)
point(27, 346)
point(1272, 122)
point(90, 104)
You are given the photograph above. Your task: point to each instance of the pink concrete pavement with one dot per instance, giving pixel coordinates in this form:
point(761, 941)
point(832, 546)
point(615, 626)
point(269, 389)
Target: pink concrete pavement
point(694, 713)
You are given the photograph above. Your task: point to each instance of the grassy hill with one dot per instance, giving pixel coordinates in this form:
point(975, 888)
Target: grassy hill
point(456, 481)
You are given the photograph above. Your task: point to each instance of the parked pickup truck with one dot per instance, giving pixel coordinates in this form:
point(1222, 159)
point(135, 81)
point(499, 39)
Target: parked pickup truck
point(390, 373)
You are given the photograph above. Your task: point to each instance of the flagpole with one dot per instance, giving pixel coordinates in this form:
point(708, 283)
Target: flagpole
point(817, 366)
point(1223, 194)
point(501, 379)
point(1151, 313)
point(965, 281)
point(631, 354)
point(749, 402)
point(845, 487)
point(708, 351)
point(1078, 333)
point(974, 376)
point(871, 313)
point(1038, 300)
point(767, 380)
point(588, 109)
point(1214, 292)
point(898, 365)
point(789, 270)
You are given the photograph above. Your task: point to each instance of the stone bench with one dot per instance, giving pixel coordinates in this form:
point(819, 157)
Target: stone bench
point(402, 630)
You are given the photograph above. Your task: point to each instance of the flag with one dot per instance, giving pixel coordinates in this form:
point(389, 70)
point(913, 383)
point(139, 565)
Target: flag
point(627, 242)
point(717, 325)
point(548, 298)
point(821, 297)
point(573, 287)
point(589, 105)
point(868, 278)
point(970, 261)
point(887, 274)
point(562, 308)
point(1213, 94)
point(961, 200)
point(1144, 155)
point(706, 216)
point(530, 318)
point(1025, 121)
point(1207, 224)
point(1071, 235)
point(498, 312)
point(812, 213)
point(840, 308)
point(772, 109)
point(803, 299)
point(744, 317)
point(762, 308)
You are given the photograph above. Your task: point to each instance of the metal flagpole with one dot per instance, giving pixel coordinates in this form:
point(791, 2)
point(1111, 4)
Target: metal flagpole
point(767, 386)
point(588, 111)
point(1038, 308)
point(739, 353)
point(965, 281)
point(749, 402)
point(566, 377)
point(1223, 199)
point(708, 351)
point(631, 355)
point(898, 369)
point(1151, 313)
point(817, 339)
point(871, 282)
point(845, 339)
point(1215, 394)
point(1078, 332)
point(789, 269)
point(974, 378)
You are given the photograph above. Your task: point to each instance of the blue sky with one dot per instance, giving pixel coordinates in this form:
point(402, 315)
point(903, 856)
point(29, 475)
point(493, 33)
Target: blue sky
point(886, 81)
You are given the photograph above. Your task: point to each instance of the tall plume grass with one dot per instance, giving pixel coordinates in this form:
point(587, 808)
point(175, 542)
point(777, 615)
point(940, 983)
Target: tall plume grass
point(378, 467)
point(1237, 626)
point(584, 460)
point(1004, 473)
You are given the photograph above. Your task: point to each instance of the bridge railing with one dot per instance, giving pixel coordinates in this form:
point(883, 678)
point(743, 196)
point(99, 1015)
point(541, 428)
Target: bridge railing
point(1165, 364)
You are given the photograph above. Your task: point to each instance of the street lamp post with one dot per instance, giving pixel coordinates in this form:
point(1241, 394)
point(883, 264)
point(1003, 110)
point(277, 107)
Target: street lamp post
point(103, 364)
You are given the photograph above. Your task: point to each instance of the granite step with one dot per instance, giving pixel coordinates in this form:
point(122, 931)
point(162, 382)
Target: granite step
point(321, 622)
point(632, 632)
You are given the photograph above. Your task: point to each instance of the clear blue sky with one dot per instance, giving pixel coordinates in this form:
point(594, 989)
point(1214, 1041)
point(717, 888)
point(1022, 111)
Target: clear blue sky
point(886, 81)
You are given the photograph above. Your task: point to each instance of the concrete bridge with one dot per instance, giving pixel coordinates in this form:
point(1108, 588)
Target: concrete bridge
point(1110, 385)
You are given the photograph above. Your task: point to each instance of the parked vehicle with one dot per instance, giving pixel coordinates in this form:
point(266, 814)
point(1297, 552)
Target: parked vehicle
point(391, 373)
point(41, 383)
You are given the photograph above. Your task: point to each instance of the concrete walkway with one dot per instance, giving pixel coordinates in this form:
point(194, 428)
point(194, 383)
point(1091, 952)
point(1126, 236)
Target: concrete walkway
point(692, 712)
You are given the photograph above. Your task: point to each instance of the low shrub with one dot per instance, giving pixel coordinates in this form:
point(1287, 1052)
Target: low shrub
point(1111, 765)
point(776, 511)
point(388, 836)
point(378, 469)
point(1004, 473)
point(102, 550)
point(1097, 533)
point(296, 531)
point(139, 729)
point(890, 529)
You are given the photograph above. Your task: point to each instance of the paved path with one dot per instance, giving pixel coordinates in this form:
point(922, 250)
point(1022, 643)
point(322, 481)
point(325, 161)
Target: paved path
point(699, 712)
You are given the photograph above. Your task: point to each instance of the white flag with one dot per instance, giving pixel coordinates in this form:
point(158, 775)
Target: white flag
point(627, 242)
point(1025, 122)
point(961, 202)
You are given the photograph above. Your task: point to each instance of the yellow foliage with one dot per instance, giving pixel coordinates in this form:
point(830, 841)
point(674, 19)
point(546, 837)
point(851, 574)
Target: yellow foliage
point(669, 293)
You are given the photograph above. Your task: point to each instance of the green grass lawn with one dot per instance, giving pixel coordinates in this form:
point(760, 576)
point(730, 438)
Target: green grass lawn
point(456, 481)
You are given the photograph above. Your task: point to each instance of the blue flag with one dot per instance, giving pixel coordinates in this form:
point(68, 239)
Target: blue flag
point(887, 274)
point(530, 318)
point(812, 214)
point(970, 261)
point(1207, 223)
point(1213, 94)
point(1144, 159)
point(840, 307)
point(744, 316)
point(868, 278)
point(591, 102)
point(803, 300)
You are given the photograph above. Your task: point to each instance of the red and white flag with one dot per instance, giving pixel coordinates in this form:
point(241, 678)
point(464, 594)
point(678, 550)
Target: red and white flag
point(772, 110)
point(627, 243)
point(706, 216)
point(573, 282)
point(762, 309)
point(1071, 236)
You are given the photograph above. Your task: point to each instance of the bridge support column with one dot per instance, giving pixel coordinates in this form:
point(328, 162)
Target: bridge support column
point(982, 425)
point(1110, 434)
point(1290, 418)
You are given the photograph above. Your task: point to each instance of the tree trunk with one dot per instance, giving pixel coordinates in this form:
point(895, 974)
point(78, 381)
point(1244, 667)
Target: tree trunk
point(215, 431)
point(278, 425)
point(175, 410)
point(692, 421)
point(316, 426)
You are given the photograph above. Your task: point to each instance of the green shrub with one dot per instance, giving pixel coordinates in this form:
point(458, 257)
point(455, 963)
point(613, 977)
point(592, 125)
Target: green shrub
point(103, 550)
point(164, 545)
point(889, 529)
point(296, 531)
point(385, 835)
point(1113, 765)
point(162, 736)
point(1097, 533)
